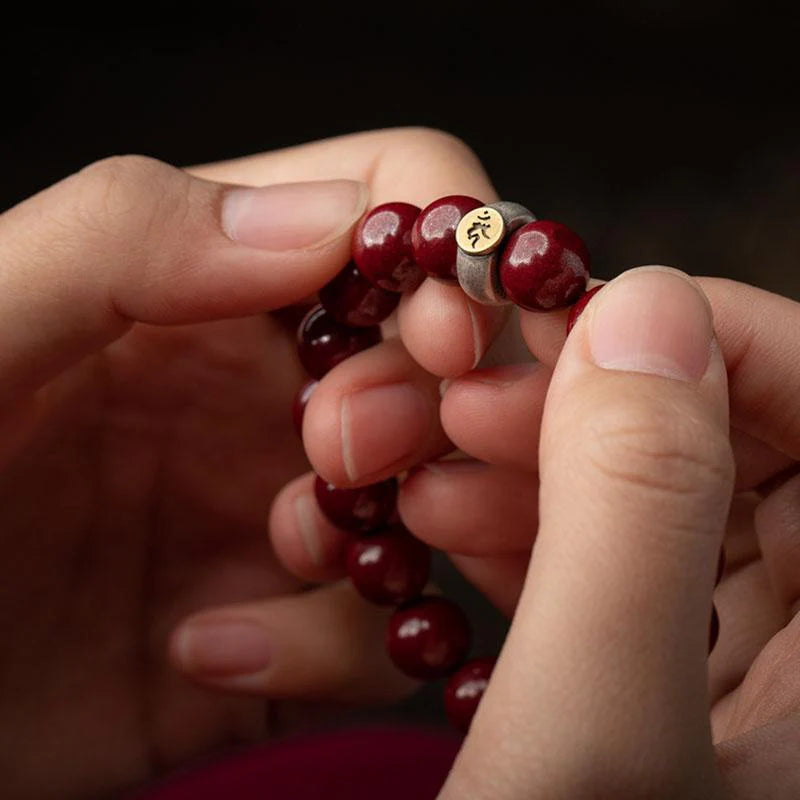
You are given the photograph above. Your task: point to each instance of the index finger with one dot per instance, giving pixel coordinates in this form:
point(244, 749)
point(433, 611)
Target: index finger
point(444, 331)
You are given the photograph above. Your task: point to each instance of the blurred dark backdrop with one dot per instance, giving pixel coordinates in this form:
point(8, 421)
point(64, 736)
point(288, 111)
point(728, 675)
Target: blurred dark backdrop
point(664, 132)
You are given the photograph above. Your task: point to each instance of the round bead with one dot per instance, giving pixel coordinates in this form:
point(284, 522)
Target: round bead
point(382, 247)
point(465, 689)
point(300, 402)
point(353, 300)
point(713, 629)
point(578, 308)
point(322, 342)
point(389, 567)
point(544, 266)
point(357, 509)
point(433, 236)
point(428, 638)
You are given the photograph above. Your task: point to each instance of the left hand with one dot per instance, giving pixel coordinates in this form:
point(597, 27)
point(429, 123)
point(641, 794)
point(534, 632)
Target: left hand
point(145, 428)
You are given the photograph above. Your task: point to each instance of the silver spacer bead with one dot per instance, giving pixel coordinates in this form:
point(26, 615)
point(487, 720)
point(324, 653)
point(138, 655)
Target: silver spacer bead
point(480, 235)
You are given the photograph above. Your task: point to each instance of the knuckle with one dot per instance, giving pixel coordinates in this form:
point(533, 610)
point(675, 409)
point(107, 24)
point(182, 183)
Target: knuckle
point(129, 196)
point(437, 141)
point(660, 450)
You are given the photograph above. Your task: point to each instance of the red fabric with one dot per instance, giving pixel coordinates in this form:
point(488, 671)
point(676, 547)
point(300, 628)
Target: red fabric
point(358, 764)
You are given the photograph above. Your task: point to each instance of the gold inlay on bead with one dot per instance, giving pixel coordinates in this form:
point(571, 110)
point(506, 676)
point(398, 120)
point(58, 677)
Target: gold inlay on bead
point(480, 231)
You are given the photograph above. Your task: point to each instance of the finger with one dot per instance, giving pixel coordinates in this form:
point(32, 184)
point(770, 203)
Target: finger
point(304, 540)
point(373, 416)
point(326, 644)
point(446, 331)
point(472, 508)
point(443, 330)
point(756, 331)
point(499, 578)
point(636, 479)
point(494, 414)
point(778, 528)
point(763, 761)
point(132, 239)
point(750, 613)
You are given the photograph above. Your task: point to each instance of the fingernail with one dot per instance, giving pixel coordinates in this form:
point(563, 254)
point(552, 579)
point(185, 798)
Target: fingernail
point(504, 376)
point(651, 320)
point(292, 216)
point(381, 426)
point(305, 511)
point(223, 648)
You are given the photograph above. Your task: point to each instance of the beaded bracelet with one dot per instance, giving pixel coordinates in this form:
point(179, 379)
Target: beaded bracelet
point(497, 253)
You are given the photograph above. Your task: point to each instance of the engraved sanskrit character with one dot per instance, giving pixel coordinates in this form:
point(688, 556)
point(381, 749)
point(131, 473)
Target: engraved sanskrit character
point(482, 224)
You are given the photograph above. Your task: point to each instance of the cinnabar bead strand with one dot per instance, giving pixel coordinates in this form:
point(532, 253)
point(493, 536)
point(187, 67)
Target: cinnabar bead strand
point(428, 638)
point(353, 300)
point(382, 247)
point(322, 342)
point(359, 509)
point(464, 691)
point(544, 266)
point(390, 566)
point(433, 236)
point(300, 402)
point(579, 307)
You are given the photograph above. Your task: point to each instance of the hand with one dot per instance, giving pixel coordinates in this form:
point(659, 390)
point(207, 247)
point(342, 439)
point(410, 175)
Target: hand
point(602, 689)
point(145, 430)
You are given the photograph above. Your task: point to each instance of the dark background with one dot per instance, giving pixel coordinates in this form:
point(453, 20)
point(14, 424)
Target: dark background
point(663, 132)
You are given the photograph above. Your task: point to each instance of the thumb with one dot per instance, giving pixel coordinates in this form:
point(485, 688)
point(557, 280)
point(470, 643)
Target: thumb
point(601, 686)
point(131, 239)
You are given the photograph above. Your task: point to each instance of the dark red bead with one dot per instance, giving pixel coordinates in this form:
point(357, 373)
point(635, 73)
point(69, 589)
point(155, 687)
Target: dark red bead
point(465, 689)
point(433, 236)
point(390, 566)
point(353, 300)
point(428, 638)
point(713, 629)
point(544, 265)
point(578, 308)
point(721, 561)
point(299, 405)
point(382, 247)
point(357, 509)
point(322, 342)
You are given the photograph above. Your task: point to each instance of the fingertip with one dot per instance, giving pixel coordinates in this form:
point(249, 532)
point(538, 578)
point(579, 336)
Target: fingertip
point(446, 332)
point(305, 542)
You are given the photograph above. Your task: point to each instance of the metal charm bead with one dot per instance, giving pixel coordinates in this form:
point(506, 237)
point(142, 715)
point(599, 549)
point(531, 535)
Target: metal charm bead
point(479, 236)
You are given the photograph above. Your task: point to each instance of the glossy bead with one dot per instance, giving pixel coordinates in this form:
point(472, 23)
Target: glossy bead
point(300, 402)
point(322, 342)
point(382, 247)
point(433, 236)
point(353, 300)
point(357, 509)
point(544, 266)
point(578, 308)
point(390, 566)
point(465, 689)
point(713, 629)
point(428, 638)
